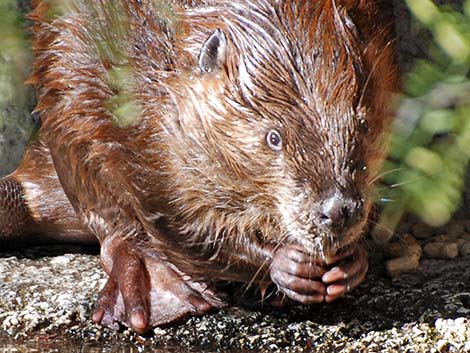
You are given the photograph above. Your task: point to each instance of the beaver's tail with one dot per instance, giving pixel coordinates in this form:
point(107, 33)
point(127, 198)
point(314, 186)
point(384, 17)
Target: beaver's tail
point(15, 218)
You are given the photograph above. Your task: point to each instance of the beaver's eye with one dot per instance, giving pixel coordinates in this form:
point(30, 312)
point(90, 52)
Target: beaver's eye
point(274, 140)
point(363, 126)
point(358, 167)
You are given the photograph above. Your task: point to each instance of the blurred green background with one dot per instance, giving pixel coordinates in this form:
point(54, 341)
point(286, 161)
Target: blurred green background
point(426, 171)
point(16, 99)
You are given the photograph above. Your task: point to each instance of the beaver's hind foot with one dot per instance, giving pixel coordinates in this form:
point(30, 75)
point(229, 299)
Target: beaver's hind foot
point(143, 292)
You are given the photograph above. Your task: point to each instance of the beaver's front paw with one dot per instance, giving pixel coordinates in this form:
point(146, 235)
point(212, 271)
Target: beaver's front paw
point(143, 291)
point(307, 279)
point(350, 268)
point(298, 275)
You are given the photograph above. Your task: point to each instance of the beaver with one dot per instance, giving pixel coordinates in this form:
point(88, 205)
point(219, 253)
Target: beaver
point(201, 142)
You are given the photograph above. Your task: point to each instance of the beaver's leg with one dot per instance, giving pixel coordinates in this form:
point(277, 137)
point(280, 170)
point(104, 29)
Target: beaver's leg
point(33, 207)
point(144, 291)
point(308, 279)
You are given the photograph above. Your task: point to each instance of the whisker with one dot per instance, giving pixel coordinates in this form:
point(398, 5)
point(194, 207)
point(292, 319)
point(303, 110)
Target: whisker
point(371, 72)
point(260, 268)
point(392, 186)
point(386, 200)
point(276, 247)
point(384, 228)
point(381, 175)
point(405, 182)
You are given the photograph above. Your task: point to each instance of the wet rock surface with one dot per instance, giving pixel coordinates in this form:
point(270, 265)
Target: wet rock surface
point(47, 294)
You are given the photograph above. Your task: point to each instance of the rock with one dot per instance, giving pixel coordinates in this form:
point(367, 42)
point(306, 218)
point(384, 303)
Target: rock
point(406, 253)
point(401, 265)
point(464, 248)
point(456, 229)
point(422, 231)
point(440, 250)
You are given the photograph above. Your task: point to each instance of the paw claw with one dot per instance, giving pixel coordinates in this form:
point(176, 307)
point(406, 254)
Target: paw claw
point(138, 321)
point(341, 279)
point(98, 315)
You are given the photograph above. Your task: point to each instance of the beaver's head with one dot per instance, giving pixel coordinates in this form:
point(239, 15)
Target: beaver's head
point(276, 132)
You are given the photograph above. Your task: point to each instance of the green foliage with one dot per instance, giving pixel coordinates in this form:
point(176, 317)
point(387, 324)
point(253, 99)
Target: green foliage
point(15, 58)
point(16, 99)
point(123, 105)
point(165, 13)
point(430, 145)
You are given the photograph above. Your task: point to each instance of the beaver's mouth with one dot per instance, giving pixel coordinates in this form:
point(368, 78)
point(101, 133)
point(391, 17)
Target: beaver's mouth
point(324, 243)
point(313, 235)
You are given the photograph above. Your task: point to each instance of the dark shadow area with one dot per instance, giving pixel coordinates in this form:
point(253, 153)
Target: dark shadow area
point(34, 252)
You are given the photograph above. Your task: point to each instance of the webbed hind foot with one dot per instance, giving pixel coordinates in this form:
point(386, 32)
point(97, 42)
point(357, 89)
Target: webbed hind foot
point(143, 292)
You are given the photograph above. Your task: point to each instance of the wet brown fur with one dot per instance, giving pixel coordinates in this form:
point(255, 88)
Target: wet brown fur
point(192, 178)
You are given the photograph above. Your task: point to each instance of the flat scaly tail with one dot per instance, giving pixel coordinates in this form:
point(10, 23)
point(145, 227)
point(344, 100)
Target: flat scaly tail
point(14, 213)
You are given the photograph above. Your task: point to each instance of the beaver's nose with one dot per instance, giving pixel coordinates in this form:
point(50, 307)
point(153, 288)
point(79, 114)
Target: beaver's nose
point(340, 211)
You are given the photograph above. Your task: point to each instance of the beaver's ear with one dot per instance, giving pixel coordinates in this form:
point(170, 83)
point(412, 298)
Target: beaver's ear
point(212, 55)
